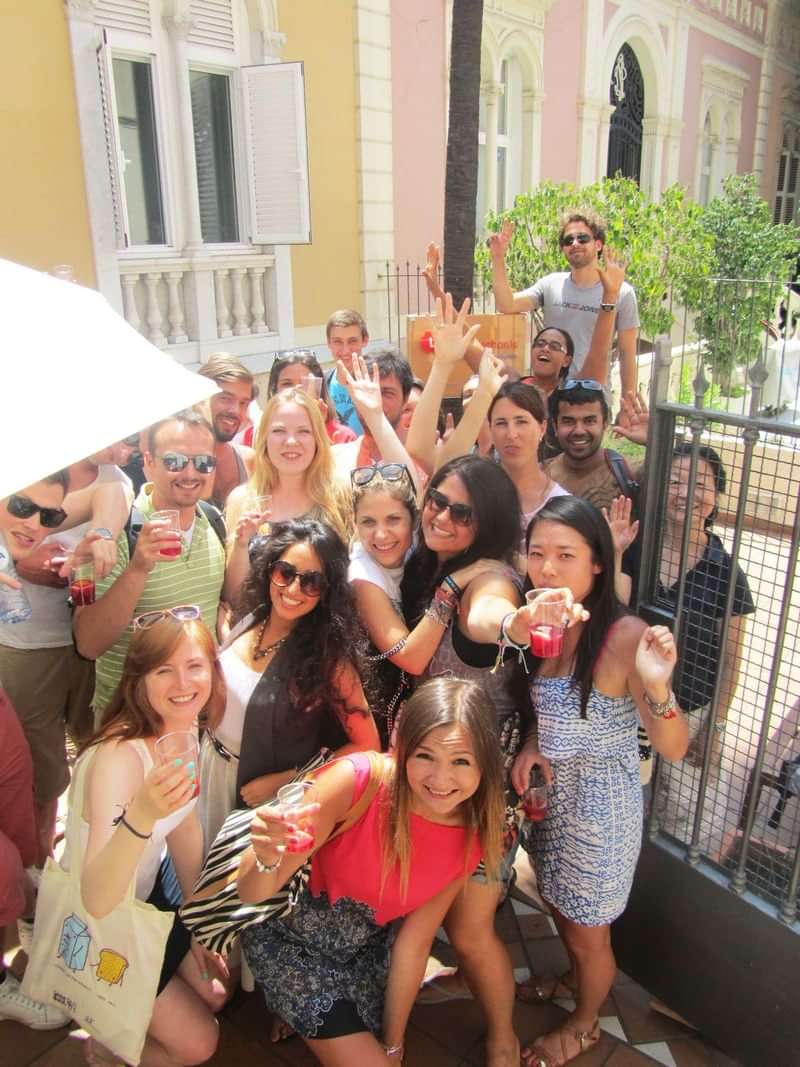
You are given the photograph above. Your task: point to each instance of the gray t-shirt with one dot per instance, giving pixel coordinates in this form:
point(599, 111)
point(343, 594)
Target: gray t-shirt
point(574, 308)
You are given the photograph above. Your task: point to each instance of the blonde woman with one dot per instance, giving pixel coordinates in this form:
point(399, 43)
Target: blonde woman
point(293, 465)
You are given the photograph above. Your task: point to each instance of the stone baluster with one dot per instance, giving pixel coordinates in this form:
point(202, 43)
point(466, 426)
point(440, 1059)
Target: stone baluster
point(223, 314)
point(240, 316)
point(259, 324)
point(129, 299)
point(154, 318)
point(177, 325)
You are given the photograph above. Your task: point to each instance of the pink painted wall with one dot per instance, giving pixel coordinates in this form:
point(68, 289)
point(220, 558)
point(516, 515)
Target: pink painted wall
point(419, 124)
point(700, 45)
point(563, 33)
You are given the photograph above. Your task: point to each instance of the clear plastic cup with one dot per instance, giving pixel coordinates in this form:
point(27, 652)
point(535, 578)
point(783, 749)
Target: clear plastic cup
point(546, 633)
point(312, 386)
point(181, 745)
point(82, 581)
point(289, 800)
point(169, 519)
point(534, 802)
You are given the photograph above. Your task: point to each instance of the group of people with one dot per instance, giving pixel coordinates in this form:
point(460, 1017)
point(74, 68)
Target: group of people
point(370, 589)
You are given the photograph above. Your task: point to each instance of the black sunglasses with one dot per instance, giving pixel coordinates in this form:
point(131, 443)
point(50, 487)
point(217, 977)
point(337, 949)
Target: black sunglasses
point(22, 507)
point(576, 238)
point(390, 472)
point(283, 574)
point(580, 383)
point(461, 514)
point(177, 461)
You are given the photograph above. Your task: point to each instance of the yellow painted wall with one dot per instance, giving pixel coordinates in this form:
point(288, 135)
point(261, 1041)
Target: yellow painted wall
point(325, 274)
point(44, 217)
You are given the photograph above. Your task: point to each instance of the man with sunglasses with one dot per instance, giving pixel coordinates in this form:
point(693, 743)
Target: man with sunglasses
point(163, 568)
point(571, 300)
point(580, 415)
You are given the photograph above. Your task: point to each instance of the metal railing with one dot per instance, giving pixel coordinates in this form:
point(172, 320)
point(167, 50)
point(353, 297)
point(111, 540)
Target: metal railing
point(407, 294)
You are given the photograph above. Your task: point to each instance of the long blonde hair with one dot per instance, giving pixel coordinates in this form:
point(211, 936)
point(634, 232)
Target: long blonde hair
point(330, 498)
point(448, 702)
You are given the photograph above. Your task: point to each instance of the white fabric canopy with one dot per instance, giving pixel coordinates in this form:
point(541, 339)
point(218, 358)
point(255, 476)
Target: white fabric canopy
point(75, 377)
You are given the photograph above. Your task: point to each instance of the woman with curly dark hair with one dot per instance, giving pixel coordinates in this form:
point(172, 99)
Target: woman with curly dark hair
point(291, 666)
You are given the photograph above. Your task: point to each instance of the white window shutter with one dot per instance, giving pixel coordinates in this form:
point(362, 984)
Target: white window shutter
point(113, 147)
point(277, 153)
point(212, 24)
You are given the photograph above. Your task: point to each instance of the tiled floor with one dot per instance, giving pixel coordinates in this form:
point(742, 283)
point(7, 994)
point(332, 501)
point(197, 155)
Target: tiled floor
point(440, 1035)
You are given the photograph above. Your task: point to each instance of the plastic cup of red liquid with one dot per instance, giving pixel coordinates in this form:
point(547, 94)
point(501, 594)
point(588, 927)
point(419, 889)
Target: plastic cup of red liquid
point(546, 633)
point(290, 799)
point(169, 519)
point(312, 386)
point(82, 581)
point(181, 745)
point(534, 802)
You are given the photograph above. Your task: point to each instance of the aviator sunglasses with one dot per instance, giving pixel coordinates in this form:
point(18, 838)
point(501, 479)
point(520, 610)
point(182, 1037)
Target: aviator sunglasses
point(580, 383)
point(22, 507)
point(576, 238)
point(283, 574)
point(390, 472)
point(461, 514)
point(183, 613)
point(177, 461)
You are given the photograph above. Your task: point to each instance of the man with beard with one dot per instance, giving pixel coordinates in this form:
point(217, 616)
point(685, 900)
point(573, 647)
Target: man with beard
point(228, 412)
point(571, 300)
point(162, 567)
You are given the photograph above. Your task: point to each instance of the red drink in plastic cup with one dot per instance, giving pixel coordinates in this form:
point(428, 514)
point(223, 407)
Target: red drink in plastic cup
point(82, 592)
point(546, 640)
point(532, 810)
point(170, 550)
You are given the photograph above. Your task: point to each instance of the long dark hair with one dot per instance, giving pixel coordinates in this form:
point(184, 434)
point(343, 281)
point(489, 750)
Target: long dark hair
point(602, 603)
point(328, 636)
point(288, 359)
point(495, 507)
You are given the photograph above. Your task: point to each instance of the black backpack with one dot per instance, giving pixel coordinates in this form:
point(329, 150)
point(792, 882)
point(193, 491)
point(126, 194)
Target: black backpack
point(137, 519)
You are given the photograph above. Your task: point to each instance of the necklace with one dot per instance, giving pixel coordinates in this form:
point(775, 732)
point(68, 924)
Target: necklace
point(258, 651)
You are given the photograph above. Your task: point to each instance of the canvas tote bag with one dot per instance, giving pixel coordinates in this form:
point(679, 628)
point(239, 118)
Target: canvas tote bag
point(102, 972)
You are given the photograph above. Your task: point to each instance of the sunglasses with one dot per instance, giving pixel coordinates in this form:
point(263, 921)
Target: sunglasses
point(22, 507)
point(132, 440)
point(551, 346)
point(177, 461)
point(390, 472)
point(461, 514)
point(183, 613)
point(576, 238)
point(283, 575)
point(580, 383)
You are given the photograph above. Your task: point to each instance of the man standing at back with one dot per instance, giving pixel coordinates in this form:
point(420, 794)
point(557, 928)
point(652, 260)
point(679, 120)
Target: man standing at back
point(159, 568)
point(571, 300)
point(347, 336)
point(228, 412)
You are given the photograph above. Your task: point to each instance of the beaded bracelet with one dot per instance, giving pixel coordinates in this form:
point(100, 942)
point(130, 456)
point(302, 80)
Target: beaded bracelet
point(504, 642)
point(664, 709)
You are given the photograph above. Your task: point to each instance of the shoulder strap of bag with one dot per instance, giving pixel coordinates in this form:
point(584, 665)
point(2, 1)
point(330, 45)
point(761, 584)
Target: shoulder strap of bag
point(377, 773)
point(618, 466)
point(137, 519)
point(215, 520)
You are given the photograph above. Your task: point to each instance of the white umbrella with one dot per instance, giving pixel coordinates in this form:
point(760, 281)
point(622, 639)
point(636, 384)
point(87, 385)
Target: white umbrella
point(75, 377)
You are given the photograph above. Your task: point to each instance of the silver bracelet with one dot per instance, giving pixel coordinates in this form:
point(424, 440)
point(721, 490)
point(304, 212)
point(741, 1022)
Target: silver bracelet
point(398, 646)
point(392, 1050)
point(662, 709)
point(267, 868)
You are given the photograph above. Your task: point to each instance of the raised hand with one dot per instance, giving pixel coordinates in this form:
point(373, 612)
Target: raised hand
point(498, 242)
point(450, 341)
point(492, 372)
point(633, 421)
point(618, 517)
point(611, 272)
point(365, 391)
point(656, 656)
point(431, 272)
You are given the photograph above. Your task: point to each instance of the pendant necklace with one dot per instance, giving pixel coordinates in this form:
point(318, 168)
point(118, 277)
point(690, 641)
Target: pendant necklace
point(258, 651)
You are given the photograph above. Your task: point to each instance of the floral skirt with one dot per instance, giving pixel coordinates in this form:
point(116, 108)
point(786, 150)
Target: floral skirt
point(319, 959)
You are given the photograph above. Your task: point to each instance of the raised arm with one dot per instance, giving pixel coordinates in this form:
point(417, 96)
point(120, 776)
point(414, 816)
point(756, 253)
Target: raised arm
point(596, 363)
point(490, 378)
point(505, 299)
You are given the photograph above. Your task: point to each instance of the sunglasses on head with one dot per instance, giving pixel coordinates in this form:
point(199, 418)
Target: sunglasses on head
point(461, 514)
point(183, 613)
point(390, 472)
point(576, 238)
point(177, 461)
point(22, 507)
point(283, 575)
point(580, 383)
point(132, 440)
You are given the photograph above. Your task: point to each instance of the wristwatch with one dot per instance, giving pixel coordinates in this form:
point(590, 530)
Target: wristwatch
point(607, 307)
point(104, 532)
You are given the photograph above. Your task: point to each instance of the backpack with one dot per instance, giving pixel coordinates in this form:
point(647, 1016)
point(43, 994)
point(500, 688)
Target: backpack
point(623, 475)
point(137, 519)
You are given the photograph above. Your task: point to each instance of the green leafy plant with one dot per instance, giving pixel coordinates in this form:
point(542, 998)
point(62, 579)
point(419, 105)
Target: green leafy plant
point(668, 251)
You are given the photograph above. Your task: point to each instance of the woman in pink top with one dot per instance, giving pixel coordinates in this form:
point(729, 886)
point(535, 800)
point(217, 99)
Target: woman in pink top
point(437, 809)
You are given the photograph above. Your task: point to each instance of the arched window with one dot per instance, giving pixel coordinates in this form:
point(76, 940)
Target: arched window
point(787, 191)
point(626, 94)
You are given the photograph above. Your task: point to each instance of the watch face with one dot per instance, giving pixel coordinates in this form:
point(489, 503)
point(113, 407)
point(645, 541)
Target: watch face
point(104, 532)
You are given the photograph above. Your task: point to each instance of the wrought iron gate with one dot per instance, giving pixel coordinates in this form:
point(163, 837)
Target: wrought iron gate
point(712, 925)
point(626, 93)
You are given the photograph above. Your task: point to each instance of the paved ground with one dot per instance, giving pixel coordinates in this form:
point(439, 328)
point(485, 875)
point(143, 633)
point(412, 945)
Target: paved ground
point(440, 1035)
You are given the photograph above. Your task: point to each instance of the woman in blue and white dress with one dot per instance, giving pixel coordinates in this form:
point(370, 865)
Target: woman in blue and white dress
point(612, 671)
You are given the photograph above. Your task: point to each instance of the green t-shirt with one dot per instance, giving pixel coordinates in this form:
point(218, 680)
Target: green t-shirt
point(194, 577)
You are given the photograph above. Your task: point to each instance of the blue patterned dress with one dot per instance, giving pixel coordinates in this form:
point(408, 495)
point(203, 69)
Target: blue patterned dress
point(585, 849)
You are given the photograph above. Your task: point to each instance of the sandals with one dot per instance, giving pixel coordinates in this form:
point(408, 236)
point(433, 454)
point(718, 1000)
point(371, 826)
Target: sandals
point(544, 988)
point(580, 1040)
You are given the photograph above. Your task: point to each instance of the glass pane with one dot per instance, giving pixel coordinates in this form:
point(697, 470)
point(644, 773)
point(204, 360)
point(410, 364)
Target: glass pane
point(133, 91)
point(502, 103)
point(781, 172)
point(213, 150)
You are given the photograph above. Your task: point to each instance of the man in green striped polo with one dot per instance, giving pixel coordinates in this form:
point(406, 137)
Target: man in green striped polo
point(179, 464)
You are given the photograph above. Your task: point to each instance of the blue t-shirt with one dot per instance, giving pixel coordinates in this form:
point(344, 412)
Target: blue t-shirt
point(345, 411)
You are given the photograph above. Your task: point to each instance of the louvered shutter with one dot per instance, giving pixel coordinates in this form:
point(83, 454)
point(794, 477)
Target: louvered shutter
point(113, 148)
point(212, 24)
point(130, 15)
point(277, 153)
